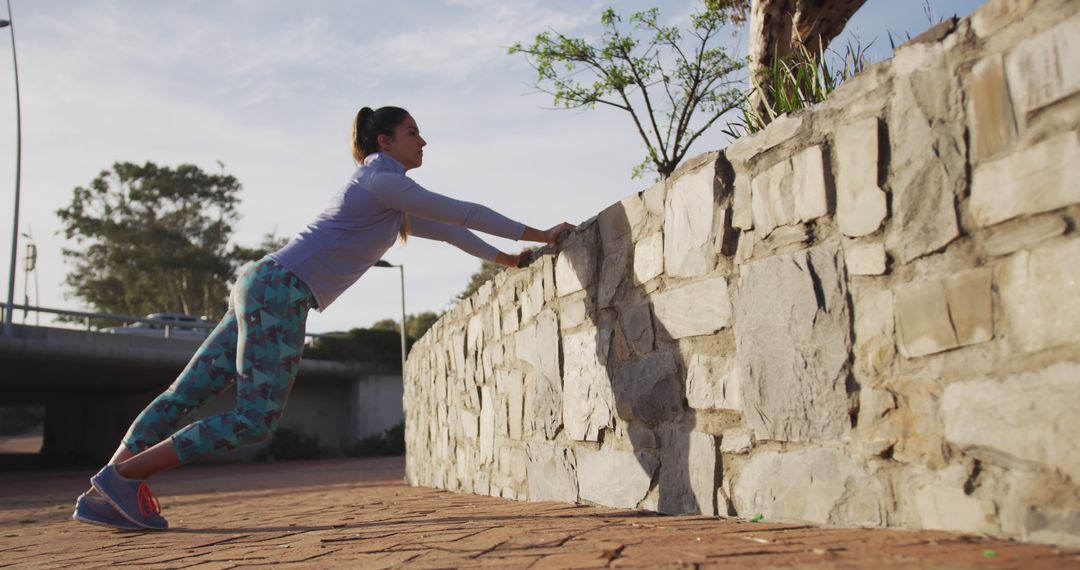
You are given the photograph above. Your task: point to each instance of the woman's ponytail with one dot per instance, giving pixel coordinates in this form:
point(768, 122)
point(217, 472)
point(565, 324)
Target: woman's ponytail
point(362, 123)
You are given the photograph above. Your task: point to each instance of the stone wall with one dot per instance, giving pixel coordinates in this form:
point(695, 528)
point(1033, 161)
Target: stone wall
point(867, 314)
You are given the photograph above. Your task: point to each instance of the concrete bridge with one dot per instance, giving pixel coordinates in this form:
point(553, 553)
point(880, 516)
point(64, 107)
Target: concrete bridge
point(93, 384)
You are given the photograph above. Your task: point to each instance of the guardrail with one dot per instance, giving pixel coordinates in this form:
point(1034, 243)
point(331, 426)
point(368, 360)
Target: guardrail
point(89, 317)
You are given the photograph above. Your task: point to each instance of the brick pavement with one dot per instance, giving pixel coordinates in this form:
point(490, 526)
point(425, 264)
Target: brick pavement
point(360, 514)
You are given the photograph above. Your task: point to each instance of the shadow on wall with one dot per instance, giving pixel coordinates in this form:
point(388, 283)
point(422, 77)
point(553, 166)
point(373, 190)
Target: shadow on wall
point(625, 369)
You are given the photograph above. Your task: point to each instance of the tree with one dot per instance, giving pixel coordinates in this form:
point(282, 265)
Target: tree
point(154, 239)
point(270, 242)
point(487, 271)
point(415, 325)
point(420, 323)
point(779, 28)
point(672, 90)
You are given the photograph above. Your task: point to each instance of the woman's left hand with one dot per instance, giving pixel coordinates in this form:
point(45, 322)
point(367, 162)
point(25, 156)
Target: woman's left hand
point(508, 259)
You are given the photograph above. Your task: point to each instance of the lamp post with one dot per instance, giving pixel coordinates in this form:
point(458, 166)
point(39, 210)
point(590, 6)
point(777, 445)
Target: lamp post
point(401, 268)
point(30, 266)
point(9, 328)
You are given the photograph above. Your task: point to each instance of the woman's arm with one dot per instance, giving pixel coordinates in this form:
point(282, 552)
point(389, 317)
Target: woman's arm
point(402, 193)
point(456, 236)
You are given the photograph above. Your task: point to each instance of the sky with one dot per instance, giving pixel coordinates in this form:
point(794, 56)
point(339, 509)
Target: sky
point(270, 88)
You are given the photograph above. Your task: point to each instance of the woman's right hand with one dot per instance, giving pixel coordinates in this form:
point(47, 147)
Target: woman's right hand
point(553, 234)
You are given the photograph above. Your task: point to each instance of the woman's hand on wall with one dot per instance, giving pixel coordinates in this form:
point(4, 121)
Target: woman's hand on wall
point(550, 235)
point(508, 259)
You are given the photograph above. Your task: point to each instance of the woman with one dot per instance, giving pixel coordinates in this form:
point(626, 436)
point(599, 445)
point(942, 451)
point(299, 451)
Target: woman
point(260, 339)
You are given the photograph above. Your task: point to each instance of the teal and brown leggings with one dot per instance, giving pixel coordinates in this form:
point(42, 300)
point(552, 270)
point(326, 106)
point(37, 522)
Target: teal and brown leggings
point(257, 346)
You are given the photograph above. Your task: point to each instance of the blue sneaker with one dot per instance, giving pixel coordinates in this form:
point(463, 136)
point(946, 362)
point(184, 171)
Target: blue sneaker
point(130, 497)
point(94, 509)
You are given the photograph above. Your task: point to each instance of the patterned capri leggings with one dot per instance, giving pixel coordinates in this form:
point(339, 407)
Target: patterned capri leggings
point(257, 345)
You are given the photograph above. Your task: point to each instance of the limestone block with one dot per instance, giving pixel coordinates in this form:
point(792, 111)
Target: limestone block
point(487, 425)
point(1040, 291)
point(712, 383)
point(457, 341)
point(511, 321)
point(793, 345)
point(515, 400)
point(742, 214)
point(916, 423)
point(789, 192)
point(1021, 420)
point(612, 272)
point(1043, 177)
point(502, 420)
point(648, 390)
point(637, 325)
point(820, 485)
point(695, 309)
point(938, 315)
point(649, 257)
point(928, 165)
point(575, 266)
point(587, 396)
point(470, 425)
point(785, 239)
point(691, 223)
point(1043, 70)
point(990, 111)
point(547, 268)
point(876, 435)
point(538, 345)
point(617, 479)
point(745, 250)
point(970, 304)
point(809, 191)
point(483, 293)
point(573, 313)
point(864, 258)
point(942, 504)
point(778, 131)
point(860, 203)
point(688, 469)
point(552, 473)
point(1023, 234)
point(641, 435)
point(996, 14)
point(618, 221)
point(1018, 499)
point(532, 298)
point(771, 203)
point(874, 326)
point(736, 441)
point(653, 198)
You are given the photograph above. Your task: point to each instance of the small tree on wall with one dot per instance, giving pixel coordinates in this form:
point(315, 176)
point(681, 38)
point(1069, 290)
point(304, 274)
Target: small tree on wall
point(673, 87)
point(780, 28)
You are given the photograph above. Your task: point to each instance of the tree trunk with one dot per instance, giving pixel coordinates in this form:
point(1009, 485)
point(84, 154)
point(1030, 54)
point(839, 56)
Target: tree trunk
point(772, 22)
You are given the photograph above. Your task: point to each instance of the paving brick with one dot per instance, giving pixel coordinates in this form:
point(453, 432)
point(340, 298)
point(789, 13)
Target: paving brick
point(359, 514)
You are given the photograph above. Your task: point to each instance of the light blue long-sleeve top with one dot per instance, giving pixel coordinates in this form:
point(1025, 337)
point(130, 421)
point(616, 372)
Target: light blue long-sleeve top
point(362, 222)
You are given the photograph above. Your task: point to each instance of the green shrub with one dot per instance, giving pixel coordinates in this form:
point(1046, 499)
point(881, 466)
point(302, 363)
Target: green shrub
point(797, 81)
point(370, 346)
point(390, 442)
point(289, 443)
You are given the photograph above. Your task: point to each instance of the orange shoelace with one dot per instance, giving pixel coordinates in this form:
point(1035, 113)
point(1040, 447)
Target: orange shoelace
point(148, 503)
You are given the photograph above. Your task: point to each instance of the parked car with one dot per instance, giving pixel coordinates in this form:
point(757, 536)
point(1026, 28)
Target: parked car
point(181, 329)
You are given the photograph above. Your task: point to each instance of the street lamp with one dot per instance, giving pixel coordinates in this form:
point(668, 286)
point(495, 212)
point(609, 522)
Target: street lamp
point(9, 328)
point(30, 266)
point(401, 268)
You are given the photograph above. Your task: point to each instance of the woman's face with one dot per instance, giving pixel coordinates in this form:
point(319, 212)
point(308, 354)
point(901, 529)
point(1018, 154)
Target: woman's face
point(406, 146)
